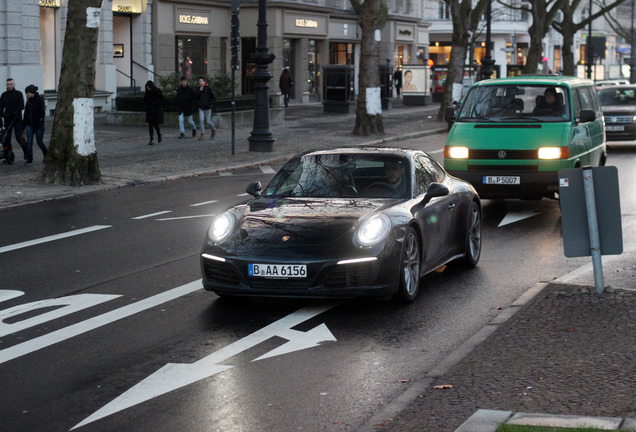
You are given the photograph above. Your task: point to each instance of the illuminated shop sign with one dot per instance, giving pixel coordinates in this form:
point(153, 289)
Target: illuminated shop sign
point(50, 3)
point(193, 19)
point(127, 6)
point(306, 23)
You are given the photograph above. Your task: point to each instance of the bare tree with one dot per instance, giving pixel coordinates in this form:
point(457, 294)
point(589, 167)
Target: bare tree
point(372, 15)
point(543, 13)
point(465, 22)
point(568, 28)
point(72, 158)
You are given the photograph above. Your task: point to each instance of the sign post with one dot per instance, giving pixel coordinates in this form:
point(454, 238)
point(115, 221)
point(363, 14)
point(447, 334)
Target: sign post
point(235, 46)
point(591, 215)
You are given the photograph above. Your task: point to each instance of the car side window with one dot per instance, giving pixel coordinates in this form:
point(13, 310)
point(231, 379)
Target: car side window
point(426, 172)
point(596, 103)
point(576, 103)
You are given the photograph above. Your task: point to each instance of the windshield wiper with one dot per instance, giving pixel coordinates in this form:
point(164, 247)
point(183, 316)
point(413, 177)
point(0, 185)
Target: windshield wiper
point(523, 118)
point(476, 118)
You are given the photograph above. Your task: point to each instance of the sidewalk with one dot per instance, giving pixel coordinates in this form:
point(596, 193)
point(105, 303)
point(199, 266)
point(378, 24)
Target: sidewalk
point(561, 349)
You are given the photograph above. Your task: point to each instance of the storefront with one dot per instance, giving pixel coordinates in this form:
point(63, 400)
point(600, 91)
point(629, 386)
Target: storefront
point(48, 37)
point(127, 31)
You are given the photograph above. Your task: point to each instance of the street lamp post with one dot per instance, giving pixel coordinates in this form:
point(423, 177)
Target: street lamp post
point(261, 138)
point(589, 49)
point(632, 57)
point(488, 62)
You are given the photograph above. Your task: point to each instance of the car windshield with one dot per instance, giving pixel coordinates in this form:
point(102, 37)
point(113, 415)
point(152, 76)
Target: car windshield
point(342, 175)
point(617, 96)
point(515, 103)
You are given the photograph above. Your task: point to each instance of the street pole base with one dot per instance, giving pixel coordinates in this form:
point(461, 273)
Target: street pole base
point(262, 144)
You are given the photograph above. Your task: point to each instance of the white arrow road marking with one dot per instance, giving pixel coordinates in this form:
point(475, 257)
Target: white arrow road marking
point(268, 170)
point(6, 295)
point(152, 214)
point(176, 375)
point(52, 238)
point(96, 322)
point(516, 217)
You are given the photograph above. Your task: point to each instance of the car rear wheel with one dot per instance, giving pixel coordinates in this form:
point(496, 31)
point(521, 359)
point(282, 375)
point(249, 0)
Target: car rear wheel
point(473, 235)
point(409, 267)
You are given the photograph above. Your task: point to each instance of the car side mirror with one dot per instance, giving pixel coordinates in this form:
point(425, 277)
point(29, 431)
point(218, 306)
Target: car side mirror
point(435, 190)
point(254, 189)
point(587, 116)
point(449, 116)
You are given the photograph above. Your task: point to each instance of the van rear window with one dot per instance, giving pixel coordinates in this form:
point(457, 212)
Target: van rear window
point(515, 103)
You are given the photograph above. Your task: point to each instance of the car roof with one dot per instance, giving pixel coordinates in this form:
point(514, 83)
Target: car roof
point(546, 80)
point(617, 87)
point(390, 151)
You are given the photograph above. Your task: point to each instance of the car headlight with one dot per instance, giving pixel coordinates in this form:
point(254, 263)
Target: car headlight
point(553, 153)
point(221, 228)
point(452, 152)
point(373, 230)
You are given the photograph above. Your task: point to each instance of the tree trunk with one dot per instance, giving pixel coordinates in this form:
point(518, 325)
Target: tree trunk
point(369, 122)
point(535, 49)
point(569, 68)
point(72, 158)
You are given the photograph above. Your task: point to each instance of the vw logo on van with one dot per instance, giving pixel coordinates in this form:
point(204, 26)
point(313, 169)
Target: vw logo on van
point(613, 119)
point(502, 154)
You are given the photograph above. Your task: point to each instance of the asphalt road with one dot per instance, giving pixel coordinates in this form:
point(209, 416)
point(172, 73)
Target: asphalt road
point(130, 303)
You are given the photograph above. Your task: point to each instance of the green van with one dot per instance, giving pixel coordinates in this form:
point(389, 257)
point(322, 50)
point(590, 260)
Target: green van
point(512, 135)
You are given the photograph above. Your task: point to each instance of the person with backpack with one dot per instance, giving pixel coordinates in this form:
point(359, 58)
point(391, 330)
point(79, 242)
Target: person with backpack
point(34, 121)
point(205, 99)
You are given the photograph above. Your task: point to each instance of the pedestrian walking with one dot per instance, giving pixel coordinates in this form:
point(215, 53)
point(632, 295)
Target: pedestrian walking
point(34, 121)
point(11, 106)
point(153, 100)
point(205, 98)
point(185, 97)
point(397, 81)
point(285, 83)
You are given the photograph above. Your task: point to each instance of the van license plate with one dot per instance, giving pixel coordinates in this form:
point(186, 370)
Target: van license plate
point(502, 180)
point(277, 271)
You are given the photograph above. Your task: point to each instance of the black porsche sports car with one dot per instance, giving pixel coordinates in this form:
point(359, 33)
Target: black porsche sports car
point(344, 222)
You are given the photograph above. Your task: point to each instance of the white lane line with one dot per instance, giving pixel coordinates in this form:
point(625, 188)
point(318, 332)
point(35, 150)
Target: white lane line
point(187, 217)
point(153, 214)
point(52, 238)
point(435, 151)
point(267, 170)
point(203, 203)
point(96, 322)
point(225, 174)
point(243, 194)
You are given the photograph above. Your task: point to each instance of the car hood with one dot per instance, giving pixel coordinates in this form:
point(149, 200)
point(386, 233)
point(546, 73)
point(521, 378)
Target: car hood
point(618, 110)
point(302, 221)
point(505, 136)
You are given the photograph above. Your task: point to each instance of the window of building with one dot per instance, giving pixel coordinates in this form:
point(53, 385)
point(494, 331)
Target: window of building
point(191, 56)
point(341, 53)
point(444, 11)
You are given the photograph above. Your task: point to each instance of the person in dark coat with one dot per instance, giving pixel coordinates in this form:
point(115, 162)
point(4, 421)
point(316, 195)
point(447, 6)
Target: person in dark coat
point(206, 98)
point(185, 97)
point(153, 100)
point(285, 83)
point(33, 123)
point(11, 106)
point(397, 81)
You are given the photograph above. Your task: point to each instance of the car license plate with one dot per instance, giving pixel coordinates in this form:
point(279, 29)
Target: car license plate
point(502, 180)
point(279, 271)
point(614, 128)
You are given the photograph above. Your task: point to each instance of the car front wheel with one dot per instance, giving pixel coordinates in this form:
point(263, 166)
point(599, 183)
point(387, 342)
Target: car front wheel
point(473, 235)
point(409, 267)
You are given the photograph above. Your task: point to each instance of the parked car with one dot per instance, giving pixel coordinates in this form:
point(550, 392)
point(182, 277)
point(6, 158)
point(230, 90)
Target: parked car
point(619, 109)
point(344, 222)
point(605, 83)
point(512, 135)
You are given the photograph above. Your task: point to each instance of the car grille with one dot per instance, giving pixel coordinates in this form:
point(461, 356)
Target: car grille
point(282, 284)
point(503, 154)
point(221, 273)
point(610, 119)
point(359, 274)
point(516, 168)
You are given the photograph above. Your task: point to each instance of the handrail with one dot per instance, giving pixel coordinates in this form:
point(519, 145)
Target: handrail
point(134, 83)
point(144, 67)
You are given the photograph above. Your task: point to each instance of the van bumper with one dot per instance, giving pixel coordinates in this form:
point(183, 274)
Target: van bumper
point(533, 185)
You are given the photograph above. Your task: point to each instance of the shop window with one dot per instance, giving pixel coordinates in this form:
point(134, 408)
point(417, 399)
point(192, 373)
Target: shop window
point(191, 56)
point(341, 53)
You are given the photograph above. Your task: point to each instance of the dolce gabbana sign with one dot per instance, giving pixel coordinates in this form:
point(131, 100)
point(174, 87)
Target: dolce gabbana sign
point(305, 23)
point(192, 20)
